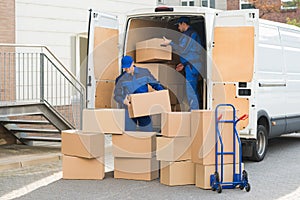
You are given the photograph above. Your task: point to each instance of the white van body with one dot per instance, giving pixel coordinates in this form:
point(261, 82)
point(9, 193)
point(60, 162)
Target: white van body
point(250, 63)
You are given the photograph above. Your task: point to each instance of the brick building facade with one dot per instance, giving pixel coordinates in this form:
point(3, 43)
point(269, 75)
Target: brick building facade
point(277, 14)
point(7, 21)
point(7, 35)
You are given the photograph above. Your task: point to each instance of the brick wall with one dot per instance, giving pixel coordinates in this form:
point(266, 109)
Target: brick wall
point(283, 15)
point(7, 21)
point(275, 15)
point(233, 4)
point(7, 35)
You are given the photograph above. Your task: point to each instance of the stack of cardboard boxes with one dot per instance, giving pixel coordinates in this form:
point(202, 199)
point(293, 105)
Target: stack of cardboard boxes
point(83, 155)
point(83, 151)
point(134, 156)
point(174, 149)
point(204, 146)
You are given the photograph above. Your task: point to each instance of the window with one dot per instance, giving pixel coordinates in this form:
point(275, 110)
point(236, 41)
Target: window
point(245, 4)
point(289, 4)
point(187, 2)
point(160, 1)
point(209, 4)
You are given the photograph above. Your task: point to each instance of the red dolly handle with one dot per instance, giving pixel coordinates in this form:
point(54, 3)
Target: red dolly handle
point(244, 117)
point(220, 117)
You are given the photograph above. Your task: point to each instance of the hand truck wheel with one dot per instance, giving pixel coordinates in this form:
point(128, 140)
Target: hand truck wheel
point(247, 187)
point(219, 188)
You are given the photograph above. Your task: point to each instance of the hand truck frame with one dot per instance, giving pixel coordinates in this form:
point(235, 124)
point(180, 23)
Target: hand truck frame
point(239, 179)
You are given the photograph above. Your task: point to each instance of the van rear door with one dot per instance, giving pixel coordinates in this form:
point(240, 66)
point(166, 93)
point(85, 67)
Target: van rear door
point(233, 59)
point(102, 53)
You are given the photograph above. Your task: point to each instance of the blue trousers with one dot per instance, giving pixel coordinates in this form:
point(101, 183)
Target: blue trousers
point(139, 123)
point(192, 90)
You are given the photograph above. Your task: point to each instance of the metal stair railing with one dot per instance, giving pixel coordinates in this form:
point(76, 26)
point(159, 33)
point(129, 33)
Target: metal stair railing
point(33, 74)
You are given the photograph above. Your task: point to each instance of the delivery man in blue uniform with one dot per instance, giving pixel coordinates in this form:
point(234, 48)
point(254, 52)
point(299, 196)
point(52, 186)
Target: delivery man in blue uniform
point(134, 80)
point(189, 49)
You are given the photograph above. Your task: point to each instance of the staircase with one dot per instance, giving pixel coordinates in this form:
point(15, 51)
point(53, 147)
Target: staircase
point(39, 97)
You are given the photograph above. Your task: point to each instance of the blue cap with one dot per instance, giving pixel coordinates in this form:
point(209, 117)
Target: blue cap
point(126, 61)
point(183, 19)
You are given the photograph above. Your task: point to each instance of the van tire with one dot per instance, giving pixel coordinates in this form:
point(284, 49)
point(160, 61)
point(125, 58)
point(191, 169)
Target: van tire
point(261, 144)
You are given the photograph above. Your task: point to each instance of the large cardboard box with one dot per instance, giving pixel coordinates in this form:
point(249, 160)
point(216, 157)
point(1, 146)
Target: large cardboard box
point(104, 120)
point(149, 103)
point(152, 51)
point(136, 168)
point(104, 94)
point(203, 173)
point(82, 168)
point(82, 144)
point(176, 124)
point(177, 173)
point(203, 136)
point(173, 149)
point(134, 144)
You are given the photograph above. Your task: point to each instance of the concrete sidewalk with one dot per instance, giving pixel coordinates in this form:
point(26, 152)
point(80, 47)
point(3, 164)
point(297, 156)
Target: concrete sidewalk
point(18, 155)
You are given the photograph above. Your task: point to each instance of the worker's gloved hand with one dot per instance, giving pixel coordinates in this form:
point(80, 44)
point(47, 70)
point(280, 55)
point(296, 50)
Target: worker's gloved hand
point(126, 101)
point(166, 41)
point(179, 67)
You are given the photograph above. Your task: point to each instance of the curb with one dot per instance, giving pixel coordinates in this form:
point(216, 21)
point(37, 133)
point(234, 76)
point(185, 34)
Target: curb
point(29, 161)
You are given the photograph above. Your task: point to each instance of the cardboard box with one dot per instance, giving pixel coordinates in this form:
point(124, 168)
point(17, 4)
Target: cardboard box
point(203, 173)
point(176, 124)
point(152, 51)
point(82, 144)
point(149, 103)
point(173, 149)
point(177, 173)
point(104, 94)
point(110, 121)
point(82, 168)
point(164, 73)
point(136, 168)
point(134, 144)
point(203, 136)
point(177, 93)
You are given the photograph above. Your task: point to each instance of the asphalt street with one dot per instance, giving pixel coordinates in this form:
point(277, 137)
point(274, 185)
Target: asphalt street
point(276, 177)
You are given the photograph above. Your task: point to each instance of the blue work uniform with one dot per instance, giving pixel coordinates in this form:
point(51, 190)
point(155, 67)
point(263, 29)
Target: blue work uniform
point(127, 84)
point(189, 49)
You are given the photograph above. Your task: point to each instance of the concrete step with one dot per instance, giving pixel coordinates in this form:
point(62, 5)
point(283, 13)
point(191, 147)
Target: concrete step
point(21, 121)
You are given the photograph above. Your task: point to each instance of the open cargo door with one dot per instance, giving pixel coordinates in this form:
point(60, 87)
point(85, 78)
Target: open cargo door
point(233, 58)
point(233, 50)
point(102, 57)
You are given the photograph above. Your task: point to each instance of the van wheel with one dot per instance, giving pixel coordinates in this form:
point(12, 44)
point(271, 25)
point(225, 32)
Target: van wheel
point(260, 145)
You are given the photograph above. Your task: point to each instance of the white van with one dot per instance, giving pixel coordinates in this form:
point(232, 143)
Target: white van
point(249, 62)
